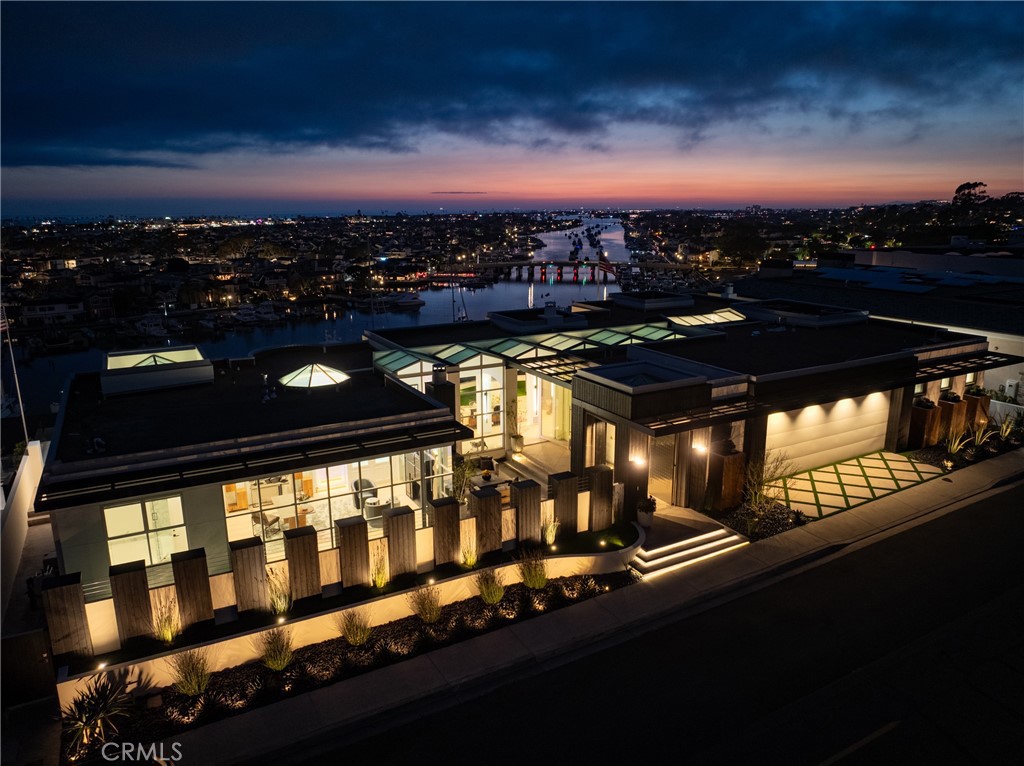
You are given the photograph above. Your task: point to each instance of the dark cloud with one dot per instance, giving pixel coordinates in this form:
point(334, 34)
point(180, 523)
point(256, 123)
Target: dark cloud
point(123, 83)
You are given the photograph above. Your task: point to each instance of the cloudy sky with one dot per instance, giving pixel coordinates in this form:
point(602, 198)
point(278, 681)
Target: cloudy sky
point(156, 108)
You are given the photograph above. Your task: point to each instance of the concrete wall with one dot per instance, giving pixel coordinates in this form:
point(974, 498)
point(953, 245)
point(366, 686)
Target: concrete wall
point(15, 513)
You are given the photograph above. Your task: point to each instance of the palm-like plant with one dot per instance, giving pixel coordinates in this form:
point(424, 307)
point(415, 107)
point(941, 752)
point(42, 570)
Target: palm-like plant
point(91, 716)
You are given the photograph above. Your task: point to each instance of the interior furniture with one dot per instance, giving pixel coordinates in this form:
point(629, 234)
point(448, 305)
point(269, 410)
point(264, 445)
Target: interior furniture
point(365, 490)
point(265, 523)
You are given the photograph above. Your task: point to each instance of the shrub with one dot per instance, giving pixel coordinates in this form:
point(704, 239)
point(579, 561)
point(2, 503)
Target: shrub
point(490, 586)
point(761, 490)
point(425, 601)
point(91, 715)
point(550, 532)
point(469, 555)
point(191, 671)
point(276, 648)
point(646, 504)
point(354, 626)
point(166, 625)
point(280, 591)
point(532, 569)
point(379, 570)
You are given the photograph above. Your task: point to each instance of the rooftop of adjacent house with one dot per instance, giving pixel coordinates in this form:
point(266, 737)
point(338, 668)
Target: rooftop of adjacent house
point(760, 348)
point(244, 398)
point(975, 301)
point(615, 311)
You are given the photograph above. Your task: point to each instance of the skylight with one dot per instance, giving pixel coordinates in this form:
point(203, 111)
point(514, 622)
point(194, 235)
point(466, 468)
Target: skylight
point(314, 376)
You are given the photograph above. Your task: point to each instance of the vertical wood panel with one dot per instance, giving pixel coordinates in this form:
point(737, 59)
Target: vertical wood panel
point(600, 511)
point(192, 586)
point(133, 611)
point(300, 551)
point(64, 607)
point(565, 491)
point(354, 550)
point(447, 538)
point(525, 497)
point(618, 501)
point(485, 506)
point(249, 570)
point(400, 530)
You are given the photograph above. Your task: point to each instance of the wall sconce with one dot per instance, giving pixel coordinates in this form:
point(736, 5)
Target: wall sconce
point(637, 461)
point(700, 449)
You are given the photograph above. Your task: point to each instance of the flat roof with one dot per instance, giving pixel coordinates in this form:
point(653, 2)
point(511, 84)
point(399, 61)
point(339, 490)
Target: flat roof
point(993, 303)
point(761, 349)
point(233, 407)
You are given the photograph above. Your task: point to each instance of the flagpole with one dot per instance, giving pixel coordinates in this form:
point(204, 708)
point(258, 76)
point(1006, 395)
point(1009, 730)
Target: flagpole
point(17, 385)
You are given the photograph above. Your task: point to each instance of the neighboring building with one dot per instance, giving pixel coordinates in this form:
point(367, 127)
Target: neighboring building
point(52, 311)
point(970, 303)
point(165, 451)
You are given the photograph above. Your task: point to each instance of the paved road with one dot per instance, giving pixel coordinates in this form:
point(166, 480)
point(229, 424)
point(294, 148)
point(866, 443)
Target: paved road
point(906, 651)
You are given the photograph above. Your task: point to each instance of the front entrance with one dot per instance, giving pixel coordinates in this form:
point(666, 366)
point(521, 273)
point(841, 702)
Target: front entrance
point(663, 468)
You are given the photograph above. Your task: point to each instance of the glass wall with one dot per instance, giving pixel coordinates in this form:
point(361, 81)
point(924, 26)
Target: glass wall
point(318, 497)
point(481, 397)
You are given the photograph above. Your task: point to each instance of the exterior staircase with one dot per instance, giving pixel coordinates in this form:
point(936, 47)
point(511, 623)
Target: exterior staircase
point(666, 558)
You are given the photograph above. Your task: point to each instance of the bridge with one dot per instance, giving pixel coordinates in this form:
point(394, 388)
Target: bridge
point(571, 270)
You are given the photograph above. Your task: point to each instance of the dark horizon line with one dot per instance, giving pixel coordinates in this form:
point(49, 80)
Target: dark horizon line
point(387, 212)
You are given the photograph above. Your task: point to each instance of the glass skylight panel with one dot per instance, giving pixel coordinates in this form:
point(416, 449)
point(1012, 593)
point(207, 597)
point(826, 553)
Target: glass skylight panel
point(313, 376)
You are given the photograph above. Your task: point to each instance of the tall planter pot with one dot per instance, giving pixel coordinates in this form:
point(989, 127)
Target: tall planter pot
point(977, 410)
point(924, 427)
point(954, 418)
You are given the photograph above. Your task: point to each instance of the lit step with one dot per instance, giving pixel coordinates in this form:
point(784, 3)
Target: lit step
point(739, 543)
point(665, 550)
point(689, 555)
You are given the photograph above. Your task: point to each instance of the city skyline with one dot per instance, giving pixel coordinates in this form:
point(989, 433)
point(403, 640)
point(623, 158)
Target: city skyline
point(177, 109)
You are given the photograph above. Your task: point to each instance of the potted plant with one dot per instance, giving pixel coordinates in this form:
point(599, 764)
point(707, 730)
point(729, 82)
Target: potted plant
point(515, 424)
point(645, 508)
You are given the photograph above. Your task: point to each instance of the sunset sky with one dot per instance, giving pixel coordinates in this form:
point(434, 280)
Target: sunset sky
point(266, 108)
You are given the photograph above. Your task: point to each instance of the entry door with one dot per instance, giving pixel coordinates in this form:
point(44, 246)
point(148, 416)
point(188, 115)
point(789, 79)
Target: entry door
point(663, 452)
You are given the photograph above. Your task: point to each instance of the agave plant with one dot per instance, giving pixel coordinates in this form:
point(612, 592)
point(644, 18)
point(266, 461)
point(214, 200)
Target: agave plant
point(91, 716)
point(956, 442)
point(982, 435)
point(1005, 427)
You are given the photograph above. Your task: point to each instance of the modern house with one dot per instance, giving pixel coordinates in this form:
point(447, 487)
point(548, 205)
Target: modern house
point(165, 452)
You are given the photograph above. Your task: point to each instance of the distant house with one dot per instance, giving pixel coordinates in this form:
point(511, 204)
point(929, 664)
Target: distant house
point(53, 311)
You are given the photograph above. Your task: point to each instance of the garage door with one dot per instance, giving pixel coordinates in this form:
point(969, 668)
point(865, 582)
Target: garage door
point(825, 433)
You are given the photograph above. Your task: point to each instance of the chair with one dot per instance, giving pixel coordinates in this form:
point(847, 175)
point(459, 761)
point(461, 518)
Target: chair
point(264, 523)
point(486, 463)
point(364, 488)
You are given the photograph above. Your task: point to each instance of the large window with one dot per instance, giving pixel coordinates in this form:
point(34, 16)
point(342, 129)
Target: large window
point(149, 531)
point(318, 497)
point(481, 392)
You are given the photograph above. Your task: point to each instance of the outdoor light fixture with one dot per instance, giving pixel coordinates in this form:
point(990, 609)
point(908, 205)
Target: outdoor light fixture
point(101, 666)
point(637, 461)
point(700, 449)
point(280, 620)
